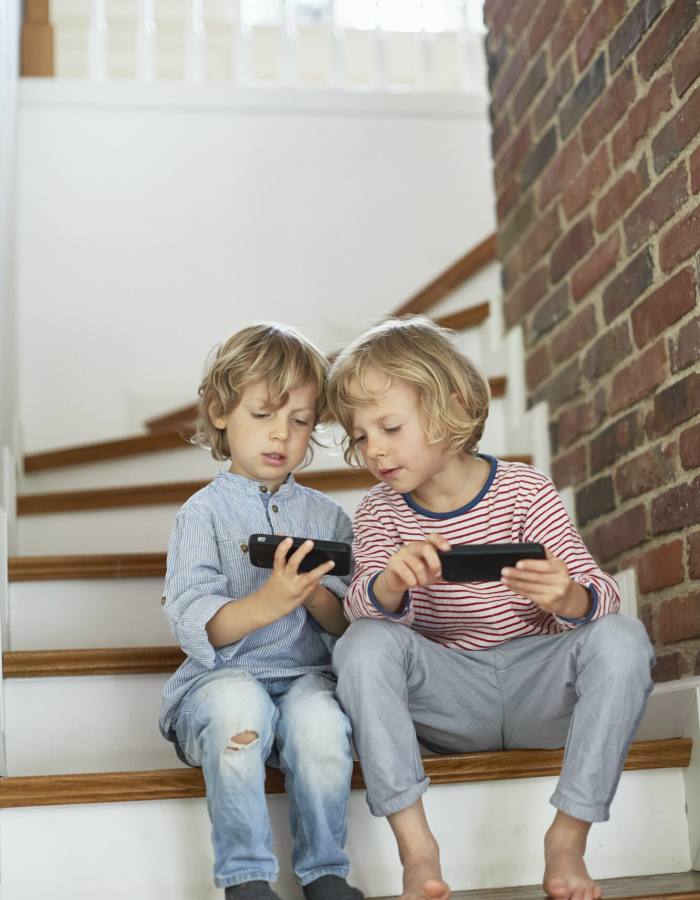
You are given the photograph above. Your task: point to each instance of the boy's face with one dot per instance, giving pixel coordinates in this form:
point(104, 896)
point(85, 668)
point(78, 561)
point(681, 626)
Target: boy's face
point(390, 434)
point(267, 443)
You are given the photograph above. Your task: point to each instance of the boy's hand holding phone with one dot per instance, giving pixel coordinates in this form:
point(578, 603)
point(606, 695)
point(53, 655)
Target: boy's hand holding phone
point(547, 583)
point(287, 588)
point(415, 564)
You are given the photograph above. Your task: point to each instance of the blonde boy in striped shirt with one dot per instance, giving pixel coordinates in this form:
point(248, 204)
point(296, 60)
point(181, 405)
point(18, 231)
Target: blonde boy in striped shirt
point(537, 659)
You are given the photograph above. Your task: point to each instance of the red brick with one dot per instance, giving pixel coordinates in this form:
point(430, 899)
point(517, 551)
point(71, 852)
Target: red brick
point(603, 260)
point(581, 419)
point(570, 468)
point(666, 35)
point(573, 246)
point(519, 223)
point(624, 531)
point(677, 133)
point(678, 619)
point(599, 25)
point(551, 312)
point(650, 470)
point(500, 134)
point(657, 207)
point(689, 447)
point(531, 86)
point(639, 378)
point(540, 238)
point(509, 77)
point(661, 567)
point(615, 203)
point(630, 284)
point(685, 347)
point(538, 157)
point(586, 186)
point(594, 499)
point(632, 29)
point(608, 111)
point(677, 508)
point(641, 118)
point(693, 543)
point(560, 172)
point(561, 388)
point(507, 199)
point(674, 405)
point(669, 667)
point(526, 296)
point(543, 24)
point(695, 171)
point(579, 330)
point(514, 153)
point(537, 367)
point(607, 352)
point(522, 15)
point(616, 441)
point(666, 305)
point(585, 93)
point(569, 23)
point(558, 87)
point(681, 241)
point(686, 62)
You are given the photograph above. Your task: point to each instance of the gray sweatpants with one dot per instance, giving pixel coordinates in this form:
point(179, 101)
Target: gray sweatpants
point(584, 689)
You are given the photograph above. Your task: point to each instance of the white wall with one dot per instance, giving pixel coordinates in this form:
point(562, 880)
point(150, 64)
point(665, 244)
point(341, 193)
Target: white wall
point(155, 220)
point(9, 63)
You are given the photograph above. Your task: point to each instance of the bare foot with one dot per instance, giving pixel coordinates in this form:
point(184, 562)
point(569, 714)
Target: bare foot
point(422, 881)
point(565, 874)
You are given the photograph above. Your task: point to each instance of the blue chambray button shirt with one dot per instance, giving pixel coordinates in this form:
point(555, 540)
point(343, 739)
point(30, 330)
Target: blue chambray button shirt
point(208, 566)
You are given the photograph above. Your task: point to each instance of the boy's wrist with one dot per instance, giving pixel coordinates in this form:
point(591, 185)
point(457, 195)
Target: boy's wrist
point(389, 599)
point(577, 602)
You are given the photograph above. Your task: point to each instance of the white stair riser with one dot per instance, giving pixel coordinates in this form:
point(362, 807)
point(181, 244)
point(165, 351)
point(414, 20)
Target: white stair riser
point(110, 612)
point(490, 835)
point(89, 723)
point(139, 529)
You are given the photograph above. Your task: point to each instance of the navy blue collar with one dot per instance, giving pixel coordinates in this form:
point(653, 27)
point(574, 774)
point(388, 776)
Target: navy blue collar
point(472, 503)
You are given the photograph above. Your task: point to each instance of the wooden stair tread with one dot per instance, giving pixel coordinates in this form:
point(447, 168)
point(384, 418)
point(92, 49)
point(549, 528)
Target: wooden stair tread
point(164, 784)
point(81, 567)
point(675, 886)
point(177, 492)
point(92, 661)
point(129, 446)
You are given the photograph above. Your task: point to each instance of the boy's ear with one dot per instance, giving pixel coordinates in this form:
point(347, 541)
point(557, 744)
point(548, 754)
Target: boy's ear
point(215, 417)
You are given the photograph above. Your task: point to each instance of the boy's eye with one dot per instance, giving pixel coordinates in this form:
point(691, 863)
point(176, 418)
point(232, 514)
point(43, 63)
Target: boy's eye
point(260, 415)
point(301, 422)
point(359, 438)
point(392, 429)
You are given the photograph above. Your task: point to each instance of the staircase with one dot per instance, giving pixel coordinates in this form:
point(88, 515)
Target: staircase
point(90, 783)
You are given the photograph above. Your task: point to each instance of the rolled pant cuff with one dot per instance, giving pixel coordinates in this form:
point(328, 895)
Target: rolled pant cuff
point(583, 811)
point(399, 801)
point(340, 871)
point(243, 877)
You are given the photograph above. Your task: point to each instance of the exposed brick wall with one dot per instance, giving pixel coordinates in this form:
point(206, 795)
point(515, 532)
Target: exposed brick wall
point(596, 145)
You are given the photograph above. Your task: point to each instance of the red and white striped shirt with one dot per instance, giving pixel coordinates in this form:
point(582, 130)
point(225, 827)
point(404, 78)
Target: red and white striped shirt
point(517, 504)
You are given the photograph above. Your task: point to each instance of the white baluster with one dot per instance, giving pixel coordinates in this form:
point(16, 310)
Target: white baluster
point(469, 48)
point(337, 36)
point(147, 41)
point(289, 25)
point(195, 42)
point(381, 49)
point(4, 633)
point(97, 41)
point(240, 43)
point(426, 52)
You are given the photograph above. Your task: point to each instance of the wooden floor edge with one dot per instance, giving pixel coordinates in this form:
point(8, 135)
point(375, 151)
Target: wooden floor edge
point(165, 784)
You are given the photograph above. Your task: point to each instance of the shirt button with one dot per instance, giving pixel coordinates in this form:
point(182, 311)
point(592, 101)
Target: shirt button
point(244, 548)
point(263, 489)
point(274, 509)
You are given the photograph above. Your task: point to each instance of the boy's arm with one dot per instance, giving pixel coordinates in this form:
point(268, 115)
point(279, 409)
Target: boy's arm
point(547, 522)
point(374, 544)
point(325, 604)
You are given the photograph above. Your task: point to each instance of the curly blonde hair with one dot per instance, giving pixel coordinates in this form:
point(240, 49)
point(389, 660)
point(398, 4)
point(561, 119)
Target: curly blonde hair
point(416, 351)
point(269, 352)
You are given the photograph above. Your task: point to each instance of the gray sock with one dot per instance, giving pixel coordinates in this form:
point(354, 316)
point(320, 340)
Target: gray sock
point(251, 890)
point(331, 887)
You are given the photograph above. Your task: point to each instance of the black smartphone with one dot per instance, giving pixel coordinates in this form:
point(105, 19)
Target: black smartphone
point(483, 562)
point(262, 550)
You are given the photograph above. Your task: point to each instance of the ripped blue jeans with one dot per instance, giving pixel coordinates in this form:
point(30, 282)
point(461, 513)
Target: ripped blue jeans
point(300, 728)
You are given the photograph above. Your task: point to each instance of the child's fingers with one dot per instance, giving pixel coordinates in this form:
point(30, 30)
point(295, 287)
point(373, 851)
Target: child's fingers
point(432, 560)
point(318, 573)
point(279, 559)
point(419, 567)
point(531, 577)
point(442, 544)
point(536, 565)
point(401, 571)
point(295, 559)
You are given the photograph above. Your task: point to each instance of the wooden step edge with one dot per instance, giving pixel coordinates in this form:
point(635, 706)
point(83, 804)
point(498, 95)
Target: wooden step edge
point(470, 317)
point(92, 661)
point(85, 453)
point(167, 784)
point(149, 443)
point(84, 567)
point(345, 478)
point(462, 270)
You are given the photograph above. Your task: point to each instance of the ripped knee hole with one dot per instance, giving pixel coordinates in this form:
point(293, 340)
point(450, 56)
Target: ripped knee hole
point(241, 740)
